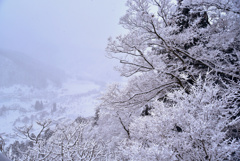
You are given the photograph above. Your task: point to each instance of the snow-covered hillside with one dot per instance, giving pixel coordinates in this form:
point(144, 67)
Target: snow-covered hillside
point(21, 105)
point(31, 91)
point(17, 68)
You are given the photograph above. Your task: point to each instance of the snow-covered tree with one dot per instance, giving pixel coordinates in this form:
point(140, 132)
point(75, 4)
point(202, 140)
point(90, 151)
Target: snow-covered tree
point(166, 40)
point(186, 127)
point(168, 46)
point(182, 97)
point(66, 141)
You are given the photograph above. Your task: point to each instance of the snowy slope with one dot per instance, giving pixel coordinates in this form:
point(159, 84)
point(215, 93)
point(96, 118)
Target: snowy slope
point(17, 68)
point(31, 91)
point(18, 104)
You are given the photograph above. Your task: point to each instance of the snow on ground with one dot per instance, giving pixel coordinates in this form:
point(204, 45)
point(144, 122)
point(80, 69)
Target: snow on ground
point(18, 104)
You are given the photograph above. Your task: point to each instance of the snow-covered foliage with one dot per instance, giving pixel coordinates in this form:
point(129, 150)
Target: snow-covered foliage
point(183, 126)
point(165, 41)
point(66, 141)
point(193, 125)
point(183, 62)
point(186, 127)
point(182, 97)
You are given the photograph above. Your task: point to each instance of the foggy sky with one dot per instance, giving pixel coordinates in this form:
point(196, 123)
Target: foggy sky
point(69, 34)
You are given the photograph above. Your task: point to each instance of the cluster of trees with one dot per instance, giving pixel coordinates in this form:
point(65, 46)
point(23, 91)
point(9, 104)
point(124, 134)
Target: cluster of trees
point(38, 105)
point(65, 141)
point(182, 98)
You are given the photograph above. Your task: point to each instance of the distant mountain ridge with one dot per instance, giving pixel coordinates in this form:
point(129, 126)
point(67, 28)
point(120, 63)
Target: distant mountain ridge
point(18, 68)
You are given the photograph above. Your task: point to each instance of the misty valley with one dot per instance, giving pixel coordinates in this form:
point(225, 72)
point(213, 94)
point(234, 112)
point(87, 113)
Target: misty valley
point(176, 98)
point(28, 94)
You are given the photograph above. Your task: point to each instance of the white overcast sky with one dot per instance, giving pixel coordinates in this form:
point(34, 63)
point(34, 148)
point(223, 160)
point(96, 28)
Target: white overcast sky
point(71, 34)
